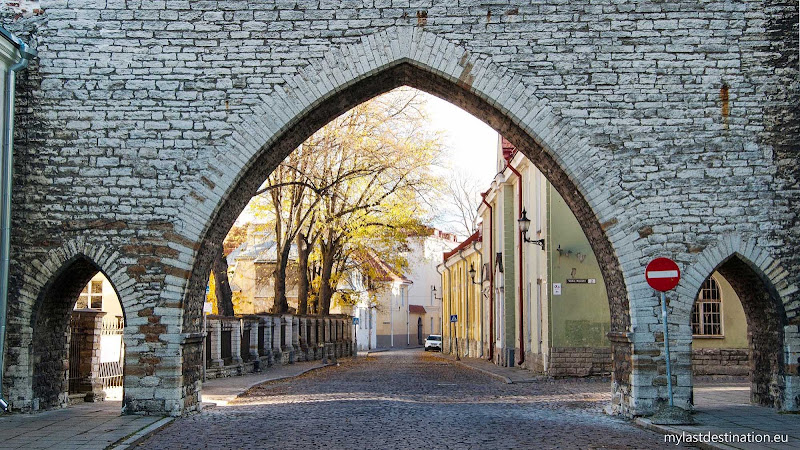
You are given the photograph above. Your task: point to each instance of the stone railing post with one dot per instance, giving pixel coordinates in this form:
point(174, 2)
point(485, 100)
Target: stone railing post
point(304, 338)
point(339, 337)
point(236, 341)
point(277, 351)
point(330, 338)
point(345, 339)
point(296, 339)
point(312, 338)
point(254, 356)
point(215, 332)
point(335, 336)
point(286, 345)
point(266, 325)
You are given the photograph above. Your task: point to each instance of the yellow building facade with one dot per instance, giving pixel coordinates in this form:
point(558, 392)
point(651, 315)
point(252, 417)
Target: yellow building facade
point(537, 299)
point(464, 327)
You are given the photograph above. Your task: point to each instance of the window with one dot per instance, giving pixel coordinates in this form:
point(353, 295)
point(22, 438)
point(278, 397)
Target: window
point(91, 296)
point(707, 311)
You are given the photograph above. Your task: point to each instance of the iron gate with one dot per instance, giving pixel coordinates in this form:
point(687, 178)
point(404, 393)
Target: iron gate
point(75, 339)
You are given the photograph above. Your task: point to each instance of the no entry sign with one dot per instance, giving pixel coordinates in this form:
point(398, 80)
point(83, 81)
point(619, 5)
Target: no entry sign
point(662, 274)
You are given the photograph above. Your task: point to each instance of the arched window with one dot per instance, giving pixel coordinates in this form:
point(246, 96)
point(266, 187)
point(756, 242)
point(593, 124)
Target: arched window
point(707, 312)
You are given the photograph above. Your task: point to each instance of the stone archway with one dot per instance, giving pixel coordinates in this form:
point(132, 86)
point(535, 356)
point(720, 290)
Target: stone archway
point(404, 57)
point(50, 323)
point(761, 285)
point(148, 145)
point(39, 367)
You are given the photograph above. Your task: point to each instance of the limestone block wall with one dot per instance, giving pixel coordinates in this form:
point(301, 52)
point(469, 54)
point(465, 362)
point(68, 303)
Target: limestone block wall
point(579, 361)
point(721, 361)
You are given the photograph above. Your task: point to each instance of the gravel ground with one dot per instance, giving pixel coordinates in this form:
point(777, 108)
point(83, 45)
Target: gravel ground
point(409, 399)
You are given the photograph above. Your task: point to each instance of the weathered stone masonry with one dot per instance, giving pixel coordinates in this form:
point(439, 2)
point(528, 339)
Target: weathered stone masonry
point(670, 129)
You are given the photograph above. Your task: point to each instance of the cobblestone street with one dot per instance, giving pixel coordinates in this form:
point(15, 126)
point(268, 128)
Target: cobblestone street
point(409, 399)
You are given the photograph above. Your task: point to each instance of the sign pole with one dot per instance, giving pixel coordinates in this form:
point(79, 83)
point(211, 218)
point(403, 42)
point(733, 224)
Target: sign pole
point(666, 346)
point(663, 274)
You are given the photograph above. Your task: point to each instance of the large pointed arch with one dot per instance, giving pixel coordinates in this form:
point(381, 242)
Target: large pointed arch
point(351, 74)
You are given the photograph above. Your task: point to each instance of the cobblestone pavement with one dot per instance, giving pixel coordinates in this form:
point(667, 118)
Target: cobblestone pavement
point(408, 399)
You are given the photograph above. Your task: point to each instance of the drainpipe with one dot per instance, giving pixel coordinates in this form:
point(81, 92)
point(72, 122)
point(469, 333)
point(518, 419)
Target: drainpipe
point(6, 182)
point(480, 255)
point(491, 277)
point(441, 310)
point(450, 304)
point(408, 317)
point(391, 321)
point(519, 284)
point(468, 283)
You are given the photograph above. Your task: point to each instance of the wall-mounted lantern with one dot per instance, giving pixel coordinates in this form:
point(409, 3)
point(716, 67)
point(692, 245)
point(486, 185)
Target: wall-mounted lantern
point(472, 273)
point(524, 226)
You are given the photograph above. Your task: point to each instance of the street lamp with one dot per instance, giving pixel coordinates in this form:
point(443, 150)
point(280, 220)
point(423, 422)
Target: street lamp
point(472, 273)
point(524, 226)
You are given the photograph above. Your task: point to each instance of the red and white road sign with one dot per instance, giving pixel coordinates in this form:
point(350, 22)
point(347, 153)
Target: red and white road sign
point(662, 274)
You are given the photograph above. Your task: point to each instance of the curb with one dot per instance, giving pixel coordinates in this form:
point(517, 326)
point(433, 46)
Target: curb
point(646, 424)
point(284, 377)
point(502, 378)
point(145, 432)
point(377, 350)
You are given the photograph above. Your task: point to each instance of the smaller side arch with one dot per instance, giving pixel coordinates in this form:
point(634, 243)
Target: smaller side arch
point(762, 287)
point(50, 323)
point(50, 288)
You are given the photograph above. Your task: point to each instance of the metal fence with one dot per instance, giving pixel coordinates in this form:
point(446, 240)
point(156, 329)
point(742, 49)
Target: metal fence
point(74, 377)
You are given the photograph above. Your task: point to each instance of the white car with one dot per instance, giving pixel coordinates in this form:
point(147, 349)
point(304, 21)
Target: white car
point(434, 342)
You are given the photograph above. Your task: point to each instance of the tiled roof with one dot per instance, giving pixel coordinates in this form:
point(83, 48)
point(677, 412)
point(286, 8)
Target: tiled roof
point(382, 270)
point(261, 252)
point(476, 237)
point(416, 309)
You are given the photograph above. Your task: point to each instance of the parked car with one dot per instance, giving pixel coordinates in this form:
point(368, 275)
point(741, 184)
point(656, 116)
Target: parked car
point(433, 342)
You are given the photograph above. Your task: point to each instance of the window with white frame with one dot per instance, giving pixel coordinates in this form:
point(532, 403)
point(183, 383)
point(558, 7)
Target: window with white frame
point(707, 311)
point(91, 296)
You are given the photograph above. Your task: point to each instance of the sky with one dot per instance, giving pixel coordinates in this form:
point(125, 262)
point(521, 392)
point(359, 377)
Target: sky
point(471, 148)
point(472, 144)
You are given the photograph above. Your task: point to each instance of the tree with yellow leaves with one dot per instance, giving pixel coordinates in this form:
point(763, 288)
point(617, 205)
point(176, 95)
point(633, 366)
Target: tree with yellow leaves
point(358, 184)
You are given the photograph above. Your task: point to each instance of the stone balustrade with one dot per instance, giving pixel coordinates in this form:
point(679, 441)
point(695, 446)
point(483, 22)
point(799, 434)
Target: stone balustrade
point(251, 343)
